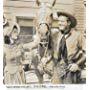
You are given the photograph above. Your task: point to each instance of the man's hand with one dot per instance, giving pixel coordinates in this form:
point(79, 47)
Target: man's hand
point(73, 67)
point(40, 68)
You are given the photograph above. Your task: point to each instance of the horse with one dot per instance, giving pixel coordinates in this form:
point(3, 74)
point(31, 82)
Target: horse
point(43, 25)
point(43, 22)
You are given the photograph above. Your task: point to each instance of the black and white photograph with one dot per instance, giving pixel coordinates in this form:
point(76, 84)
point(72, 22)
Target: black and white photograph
point(44, 42)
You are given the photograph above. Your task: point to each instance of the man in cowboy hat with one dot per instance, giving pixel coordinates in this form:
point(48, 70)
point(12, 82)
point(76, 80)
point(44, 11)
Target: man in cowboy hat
point(69, 50)
point(13, 71)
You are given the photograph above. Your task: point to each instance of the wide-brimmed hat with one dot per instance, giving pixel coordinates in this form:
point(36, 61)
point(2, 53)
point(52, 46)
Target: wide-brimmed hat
point(70, 17)
point(15, 25)
point(8, 30)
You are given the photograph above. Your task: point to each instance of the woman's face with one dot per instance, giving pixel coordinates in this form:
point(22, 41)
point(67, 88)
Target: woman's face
point(14, 34)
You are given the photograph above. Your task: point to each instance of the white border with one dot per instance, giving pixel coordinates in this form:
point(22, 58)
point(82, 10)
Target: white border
point(68, 87)
point(1, 45)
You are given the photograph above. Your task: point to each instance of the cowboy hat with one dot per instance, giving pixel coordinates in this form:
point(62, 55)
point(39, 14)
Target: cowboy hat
point(15, 25)
point(8, 30)
point(70, 17)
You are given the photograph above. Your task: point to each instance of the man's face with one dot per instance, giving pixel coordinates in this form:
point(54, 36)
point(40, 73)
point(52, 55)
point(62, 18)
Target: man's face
point(63, 23)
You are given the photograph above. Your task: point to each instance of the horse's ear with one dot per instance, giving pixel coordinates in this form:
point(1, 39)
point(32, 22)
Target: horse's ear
point(38, 2)
point(54, 1)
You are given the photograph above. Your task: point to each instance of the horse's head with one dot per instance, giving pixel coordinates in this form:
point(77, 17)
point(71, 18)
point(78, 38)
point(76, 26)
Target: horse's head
point(44, 33)
point(45, 39)
point(43, 24)
point(44, 19)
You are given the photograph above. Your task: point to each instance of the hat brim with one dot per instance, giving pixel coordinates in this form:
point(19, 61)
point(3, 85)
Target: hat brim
point(5, 21)
point(70, 17)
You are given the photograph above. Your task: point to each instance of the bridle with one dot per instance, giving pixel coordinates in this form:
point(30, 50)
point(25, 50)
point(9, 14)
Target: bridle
point(44, 42)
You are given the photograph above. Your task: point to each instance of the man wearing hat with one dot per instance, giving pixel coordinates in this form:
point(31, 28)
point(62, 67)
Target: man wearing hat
point(69, 51)
point(13, 71)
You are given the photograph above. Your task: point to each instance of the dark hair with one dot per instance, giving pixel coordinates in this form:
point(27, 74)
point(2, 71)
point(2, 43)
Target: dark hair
point(6, 39)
